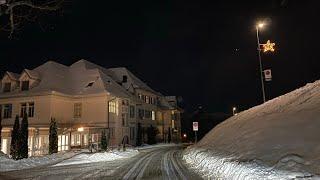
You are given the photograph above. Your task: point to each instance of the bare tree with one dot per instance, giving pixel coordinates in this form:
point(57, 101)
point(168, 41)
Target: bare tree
point(16, 13)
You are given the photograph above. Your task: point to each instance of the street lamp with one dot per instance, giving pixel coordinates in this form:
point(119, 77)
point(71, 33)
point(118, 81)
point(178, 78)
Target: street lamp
point(259, 26)
point(234, 110)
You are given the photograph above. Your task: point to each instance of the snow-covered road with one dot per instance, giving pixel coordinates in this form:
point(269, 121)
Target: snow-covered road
point(152, 163)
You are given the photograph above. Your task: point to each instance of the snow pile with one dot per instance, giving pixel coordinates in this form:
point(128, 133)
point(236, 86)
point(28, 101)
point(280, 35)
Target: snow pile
point(276, 140)
point(98, 157)
point(7, 164)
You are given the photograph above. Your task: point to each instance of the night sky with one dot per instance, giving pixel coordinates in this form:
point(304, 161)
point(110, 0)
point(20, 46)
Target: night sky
point(204, 52)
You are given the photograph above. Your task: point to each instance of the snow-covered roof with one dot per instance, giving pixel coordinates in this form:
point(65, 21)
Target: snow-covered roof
point(81, 78)
point(13, 76)
point(32, 74)
point(132, 80)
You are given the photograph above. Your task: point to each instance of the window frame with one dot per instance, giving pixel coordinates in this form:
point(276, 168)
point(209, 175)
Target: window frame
point(31, 109)
point(7, 111)
point(23, 109)
point(24, 87)
point(6, 86)
point(132, 111)
point(77, 110)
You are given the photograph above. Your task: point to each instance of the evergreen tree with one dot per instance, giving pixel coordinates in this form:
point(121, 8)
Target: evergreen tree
point(169, 135)
point(53, 137)
point(139, 135)
point(104, 143)
point(15, 139)
point(23, 150)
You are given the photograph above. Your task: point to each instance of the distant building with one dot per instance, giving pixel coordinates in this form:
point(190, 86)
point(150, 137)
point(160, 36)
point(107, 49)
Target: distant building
point(85, 99)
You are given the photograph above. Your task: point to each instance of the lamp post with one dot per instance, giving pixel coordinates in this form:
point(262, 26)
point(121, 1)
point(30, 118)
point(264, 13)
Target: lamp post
point(258, 26)
point(234, 110)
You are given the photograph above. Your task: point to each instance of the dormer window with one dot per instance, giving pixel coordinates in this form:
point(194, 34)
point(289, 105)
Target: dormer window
point(25, 86)
point(90, 84)
point(7, 87)
point(124, 79)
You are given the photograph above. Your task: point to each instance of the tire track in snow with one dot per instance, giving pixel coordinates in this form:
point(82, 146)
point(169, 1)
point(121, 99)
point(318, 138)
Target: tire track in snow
point(136, 169)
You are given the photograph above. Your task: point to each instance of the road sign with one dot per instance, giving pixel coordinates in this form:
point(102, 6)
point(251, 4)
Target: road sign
point(195, 126)
point(267, 75)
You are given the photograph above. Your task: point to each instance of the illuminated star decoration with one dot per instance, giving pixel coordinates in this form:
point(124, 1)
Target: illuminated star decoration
point(268, 46)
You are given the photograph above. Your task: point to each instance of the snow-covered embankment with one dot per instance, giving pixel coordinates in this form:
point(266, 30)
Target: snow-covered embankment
point(276, 140)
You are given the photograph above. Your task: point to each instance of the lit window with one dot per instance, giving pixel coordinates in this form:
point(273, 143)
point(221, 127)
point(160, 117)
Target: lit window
point(172, 124)
point(153, 115)
point(147, 100)
point(7, 111)
point(23, 109)
point(75, 139)
point(25, 86)
point(31, 109)
point(112, 106)
point(77, 110)
point(7, 87)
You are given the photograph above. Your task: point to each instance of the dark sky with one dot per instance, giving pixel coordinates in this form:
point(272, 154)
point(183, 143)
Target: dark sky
point(180, 48)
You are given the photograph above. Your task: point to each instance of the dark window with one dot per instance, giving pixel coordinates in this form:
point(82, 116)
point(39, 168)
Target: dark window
point(141, 113)
point(25, 86)
point(90, 84)
point(147, 114)
point(23, 109)
point(132, 112)
point(7, 111)
point(7, 87)
point(124, 79)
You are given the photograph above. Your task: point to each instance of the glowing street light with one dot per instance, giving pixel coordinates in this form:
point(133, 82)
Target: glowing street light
point(234, 111)
point(184, 135)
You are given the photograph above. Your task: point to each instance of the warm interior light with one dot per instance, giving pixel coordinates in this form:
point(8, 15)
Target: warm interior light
point(260, 25)
point(80, 129)
point(234, 108)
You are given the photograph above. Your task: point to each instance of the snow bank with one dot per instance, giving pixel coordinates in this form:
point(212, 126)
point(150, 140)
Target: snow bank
point(276, 140)
point(98, 157)
point(7, 164)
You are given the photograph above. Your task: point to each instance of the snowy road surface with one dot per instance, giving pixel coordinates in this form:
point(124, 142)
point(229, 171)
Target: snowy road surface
point(151, 163)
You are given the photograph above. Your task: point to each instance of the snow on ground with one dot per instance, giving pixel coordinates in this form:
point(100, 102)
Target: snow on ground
point(98, 157)
point(276, 140)
point(159, 145)
point(7, 164)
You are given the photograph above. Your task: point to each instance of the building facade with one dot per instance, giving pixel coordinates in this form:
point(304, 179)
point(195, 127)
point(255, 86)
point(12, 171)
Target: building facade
point(85, 99)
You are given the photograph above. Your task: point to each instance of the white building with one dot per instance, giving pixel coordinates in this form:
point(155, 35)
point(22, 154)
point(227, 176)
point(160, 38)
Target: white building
point(85, 99)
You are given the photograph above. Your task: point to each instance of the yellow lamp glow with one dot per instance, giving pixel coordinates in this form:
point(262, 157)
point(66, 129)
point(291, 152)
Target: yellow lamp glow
point(80, 129)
